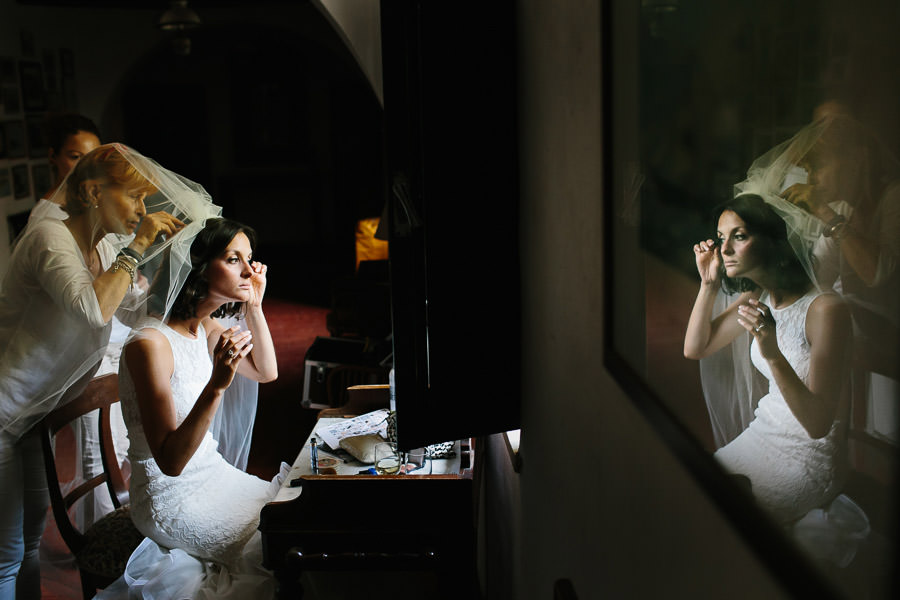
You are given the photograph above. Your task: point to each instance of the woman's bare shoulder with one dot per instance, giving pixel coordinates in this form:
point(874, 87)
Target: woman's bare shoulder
point(148, 341)
point(828, 311)
point(828, 302)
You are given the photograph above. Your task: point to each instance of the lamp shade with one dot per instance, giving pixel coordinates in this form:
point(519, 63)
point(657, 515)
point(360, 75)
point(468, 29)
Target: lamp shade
point(179, 17)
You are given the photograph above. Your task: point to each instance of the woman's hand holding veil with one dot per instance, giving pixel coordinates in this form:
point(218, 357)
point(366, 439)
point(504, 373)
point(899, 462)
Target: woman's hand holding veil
point(153, 225)
point(810, 199)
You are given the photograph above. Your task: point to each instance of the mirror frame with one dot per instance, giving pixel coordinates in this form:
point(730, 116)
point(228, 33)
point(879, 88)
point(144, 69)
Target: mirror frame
point(624, 309)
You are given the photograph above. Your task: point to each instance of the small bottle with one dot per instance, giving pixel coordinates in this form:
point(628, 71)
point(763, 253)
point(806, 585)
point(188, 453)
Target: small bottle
point(314, 456)
point(393, 389)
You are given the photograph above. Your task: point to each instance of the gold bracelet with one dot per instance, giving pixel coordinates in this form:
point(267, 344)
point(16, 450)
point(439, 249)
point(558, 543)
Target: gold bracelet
point(122, 262)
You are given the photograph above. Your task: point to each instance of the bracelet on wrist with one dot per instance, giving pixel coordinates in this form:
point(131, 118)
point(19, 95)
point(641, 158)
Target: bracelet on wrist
point(131, 253)
point(836, 227)
point(125, 263)
point(127, 258)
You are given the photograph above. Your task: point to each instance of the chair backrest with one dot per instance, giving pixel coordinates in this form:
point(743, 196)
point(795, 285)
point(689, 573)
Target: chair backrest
point(100, 393)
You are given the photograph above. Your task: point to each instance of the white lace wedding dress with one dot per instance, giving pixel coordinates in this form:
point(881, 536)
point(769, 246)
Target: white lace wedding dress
point(201, 525)
point(790, 472)
point(796, 478)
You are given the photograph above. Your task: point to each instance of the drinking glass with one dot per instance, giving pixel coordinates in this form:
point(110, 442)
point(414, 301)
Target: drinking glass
point(387, 459)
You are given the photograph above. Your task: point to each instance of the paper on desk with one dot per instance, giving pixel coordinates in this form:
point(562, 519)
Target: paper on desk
point(373, 422)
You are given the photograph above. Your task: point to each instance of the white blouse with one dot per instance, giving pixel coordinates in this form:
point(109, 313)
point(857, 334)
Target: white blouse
point(52, 334)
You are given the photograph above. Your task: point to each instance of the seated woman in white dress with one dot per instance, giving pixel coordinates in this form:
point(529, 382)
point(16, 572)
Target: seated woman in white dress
point(172, 377)
point(793, 452)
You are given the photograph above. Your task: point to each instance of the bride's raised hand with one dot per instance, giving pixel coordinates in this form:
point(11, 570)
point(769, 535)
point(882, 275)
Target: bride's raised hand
point(709, 261)
point(257, 283)
point(230, 350)
point(756, 318)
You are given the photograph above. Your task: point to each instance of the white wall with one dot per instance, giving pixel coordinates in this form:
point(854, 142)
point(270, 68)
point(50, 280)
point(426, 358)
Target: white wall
point(358, 22)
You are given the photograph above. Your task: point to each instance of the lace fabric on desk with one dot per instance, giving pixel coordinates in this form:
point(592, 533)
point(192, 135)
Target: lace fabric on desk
point(434, 451)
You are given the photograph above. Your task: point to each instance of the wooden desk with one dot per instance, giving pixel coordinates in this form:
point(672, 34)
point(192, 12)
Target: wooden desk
point(373, 522)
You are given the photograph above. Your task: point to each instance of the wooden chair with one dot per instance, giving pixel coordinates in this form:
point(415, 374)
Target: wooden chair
point(341, 378)
point(874, 463)
point(103, 549)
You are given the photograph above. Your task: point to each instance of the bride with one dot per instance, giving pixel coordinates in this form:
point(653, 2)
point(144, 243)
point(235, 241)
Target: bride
point(775, 337)
point(793, 452)
point(192, 505)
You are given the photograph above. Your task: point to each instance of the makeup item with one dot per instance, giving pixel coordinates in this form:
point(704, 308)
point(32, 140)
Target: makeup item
point(314, 455)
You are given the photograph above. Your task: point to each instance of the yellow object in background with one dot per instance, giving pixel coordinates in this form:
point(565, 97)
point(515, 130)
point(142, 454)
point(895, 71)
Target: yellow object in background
point(367, 247)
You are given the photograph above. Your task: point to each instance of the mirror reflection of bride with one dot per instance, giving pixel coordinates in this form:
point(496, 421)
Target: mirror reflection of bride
point(784, 315)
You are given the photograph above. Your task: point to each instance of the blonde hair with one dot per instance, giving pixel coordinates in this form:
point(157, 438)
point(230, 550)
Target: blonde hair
point(107, 164)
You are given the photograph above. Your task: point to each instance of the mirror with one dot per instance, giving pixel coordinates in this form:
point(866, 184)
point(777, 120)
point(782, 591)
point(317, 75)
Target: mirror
point(697, 92)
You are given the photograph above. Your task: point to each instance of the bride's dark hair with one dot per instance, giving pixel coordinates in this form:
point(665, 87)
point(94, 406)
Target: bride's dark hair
point(209, 244)
point(764, 223)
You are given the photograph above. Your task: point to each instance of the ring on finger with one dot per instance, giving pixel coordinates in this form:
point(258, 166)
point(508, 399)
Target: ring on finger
point(760, 326)
point(230, 352)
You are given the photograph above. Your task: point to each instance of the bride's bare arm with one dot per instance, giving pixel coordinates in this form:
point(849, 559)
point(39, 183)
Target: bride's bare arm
point(150, 363)
point(828, 331)
point(705, 334)
point(261, 364)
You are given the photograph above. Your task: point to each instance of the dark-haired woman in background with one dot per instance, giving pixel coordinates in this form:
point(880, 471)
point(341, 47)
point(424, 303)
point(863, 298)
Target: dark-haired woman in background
point(69, 137)
point(793, 452)
point(172, 377)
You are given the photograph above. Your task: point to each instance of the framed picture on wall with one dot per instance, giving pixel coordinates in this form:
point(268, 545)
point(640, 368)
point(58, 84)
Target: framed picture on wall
point(68, 94)
point(9, 99)
point(9, 89)
point(14, 138)
point(20, 181)
point(31, 77)
point(51, 77)
point(66, 62)
point(26, 42)
point(5, 183)
point(36, 135)
point(7, 70)
point(40, 175)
